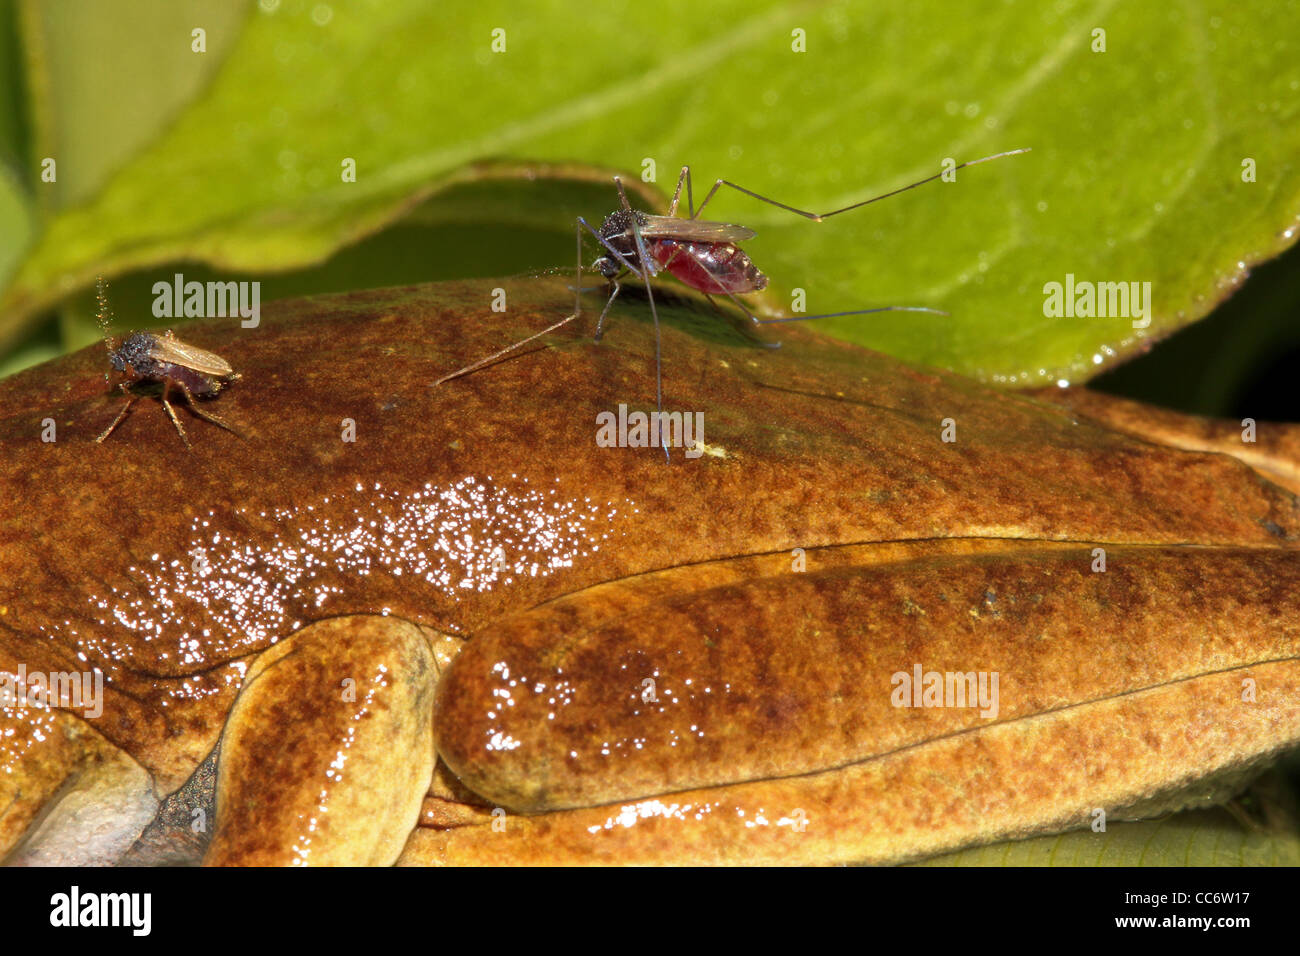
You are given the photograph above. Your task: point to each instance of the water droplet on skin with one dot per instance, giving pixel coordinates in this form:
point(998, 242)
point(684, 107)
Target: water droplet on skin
point(254, 587)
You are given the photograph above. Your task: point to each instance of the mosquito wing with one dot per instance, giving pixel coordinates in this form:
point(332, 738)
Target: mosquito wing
point(693, 230)
point(168, 348)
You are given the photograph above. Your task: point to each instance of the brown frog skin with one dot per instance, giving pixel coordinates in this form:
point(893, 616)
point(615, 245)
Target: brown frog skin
point(471, 577)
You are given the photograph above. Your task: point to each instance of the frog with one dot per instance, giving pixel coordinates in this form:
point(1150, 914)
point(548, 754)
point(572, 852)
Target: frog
point(870, 612)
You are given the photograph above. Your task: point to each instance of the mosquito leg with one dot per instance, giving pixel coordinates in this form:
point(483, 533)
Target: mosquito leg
point(836, 315)
point(167, 384)
point(202, 413)
point(829, 315)
point(120, 415)
point(644, 273)
point(677, 193)
point(647, 264)
point(582, 224)
point(818, 217)
point(215, 419)
point(600, 323)
point(709, 195)
point(622, 259)
point(577, 290)
point(488, 360)
point(752, 317)
point(654, 313)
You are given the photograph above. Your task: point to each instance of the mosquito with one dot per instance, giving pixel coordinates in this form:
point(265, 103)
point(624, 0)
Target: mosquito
point(702, 254)
point(162, 357)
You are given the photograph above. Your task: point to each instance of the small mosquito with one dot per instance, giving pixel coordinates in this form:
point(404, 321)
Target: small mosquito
point(702, 254)
point(162, 357)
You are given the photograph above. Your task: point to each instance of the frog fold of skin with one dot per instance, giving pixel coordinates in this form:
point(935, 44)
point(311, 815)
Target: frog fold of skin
point(397, 623)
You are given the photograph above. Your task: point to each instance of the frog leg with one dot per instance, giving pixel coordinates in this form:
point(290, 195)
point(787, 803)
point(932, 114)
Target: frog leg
point(68, 797)
point(1271, 448)
point(746, 711)
point(328, 750)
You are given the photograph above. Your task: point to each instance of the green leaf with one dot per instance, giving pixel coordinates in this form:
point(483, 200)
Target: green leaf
point(1260, 828)
point(16, 214)
point(1135, 174)
point(94, 79)
point(1195, 838)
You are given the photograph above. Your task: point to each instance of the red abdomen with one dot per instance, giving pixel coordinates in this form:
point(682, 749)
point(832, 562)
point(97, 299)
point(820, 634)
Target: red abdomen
point(714, 267)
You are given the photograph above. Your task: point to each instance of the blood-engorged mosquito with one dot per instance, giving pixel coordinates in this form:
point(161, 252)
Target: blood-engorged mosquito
point(702, 254)
point(162, 357)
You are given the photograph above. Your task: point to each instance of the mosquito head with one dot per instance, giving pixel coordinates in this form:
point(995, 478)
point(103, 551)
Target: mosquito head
point(607, 266)
point(132, 354)
point(618, 234)
point(618, 224)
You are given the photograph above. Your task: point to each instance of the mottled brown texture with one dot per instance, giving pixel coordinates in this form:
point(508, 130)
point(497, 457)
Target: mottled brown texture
point(1274, 452)
point(813, 445)
point(781, 673)
point(1042, 774)
point(329, 749)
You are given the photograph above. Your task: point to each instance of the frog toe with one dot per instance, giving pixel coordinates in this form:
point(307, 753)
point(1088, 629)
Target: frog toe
point(68, 797)
point(328, 751)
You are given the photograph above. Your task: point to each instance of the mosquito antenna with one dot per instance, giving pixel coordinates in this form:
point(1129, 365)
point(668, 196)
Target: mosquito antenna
point(104, 311)
point(577, 272)
point(818, 217)
point(644, 273)
point(104, 316)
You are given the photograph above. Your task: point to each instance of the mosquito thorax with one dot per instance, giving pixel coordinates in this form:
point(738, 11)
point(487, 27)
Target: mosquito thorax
point(619, 223)
point(617, 231)
point(133, 352)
